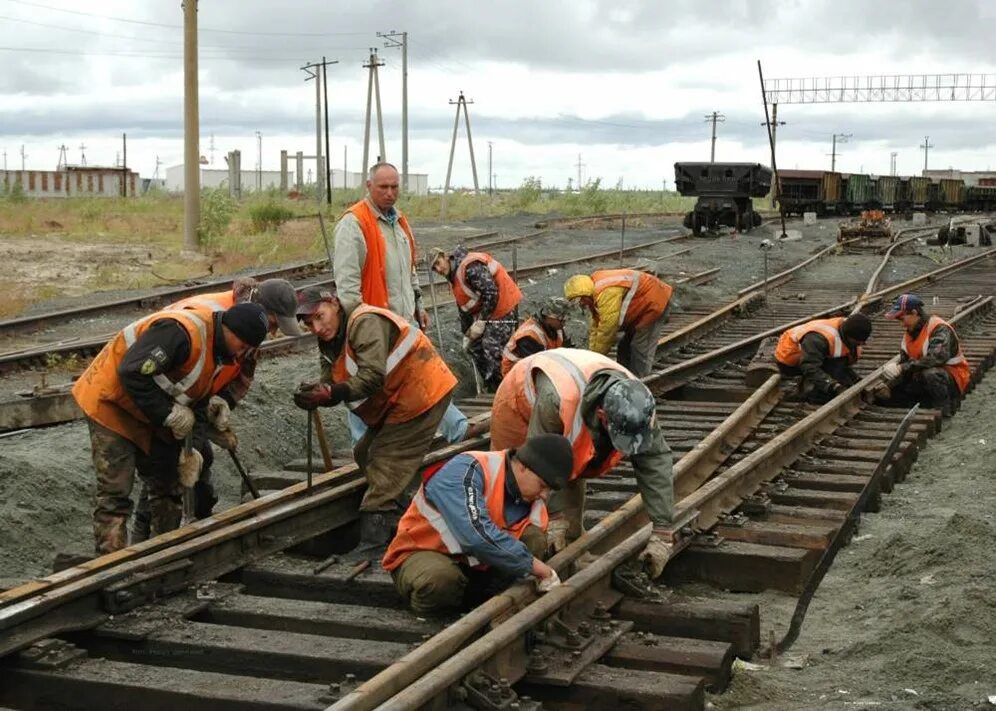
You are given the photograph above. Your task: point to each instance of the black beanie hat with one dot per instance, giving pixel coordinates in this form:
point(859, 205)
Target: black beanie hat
point(856, 327)
point(248, 322)
point(549, 456)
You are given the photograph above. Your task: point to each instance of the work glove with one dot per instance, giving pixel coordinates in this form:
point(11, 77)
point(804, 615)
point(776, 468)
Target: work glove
point(465, 345)
point(556, 534)
point(476, 330)
point(309, 396)
point(892, 372)
point(548, 583)
point(225, 438)
point(218, 412)
point(189, 466)
point(656, 555)
point(180, 420)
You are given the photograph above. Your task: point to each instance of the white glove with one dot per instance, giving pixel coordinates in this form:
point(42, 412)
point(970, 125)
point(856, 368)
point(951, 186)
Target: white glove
point(476, 330)
point(218, 412)
point(655, 556)
point(548, 583)
point(181, 420)
point(190, 467)
point(225, 438)
point(892, 372)
point(556, 534)
point(466, 344)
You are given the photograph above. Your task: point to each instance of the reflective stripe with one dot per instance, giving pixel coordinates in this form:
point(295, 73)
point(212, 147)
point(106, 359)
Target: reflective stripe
point(580, 381)
point(472, 296)
point(176, 390)
point(831, 334)
point(525, 330)
point(621, 280)
point(402, 349)
point(438, 523)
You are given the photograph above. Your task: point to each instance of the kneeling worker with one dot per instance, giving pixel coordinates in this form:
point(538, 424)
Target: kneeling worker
point(606, 414)
point(822, 351)
point(388, 374)
point(477, 524)
point(626, 300)
point(932, 369)
point(543, 331)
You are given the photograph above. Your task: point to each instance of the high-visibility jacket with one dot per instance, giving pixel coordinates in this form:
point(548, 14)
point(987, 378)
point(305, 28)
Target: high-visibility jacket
point(469, 301)
point(645, 298)
point(103, 398)
point(532, 329)
point(373, 276)
point(415, 377)
point(569, 369)
point(789, 351)
point(957, 365)
point(215, 301)
point(423, 528)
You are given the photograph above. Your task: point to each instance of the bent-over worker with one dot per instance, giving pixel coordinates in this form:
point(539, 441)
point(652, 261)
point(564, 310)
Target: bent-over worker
point(626, 300)
point(486, 299)
point(477, 524)
point(932, 369)
point(822, 351)
point(543, 331)
point(607, 414)
point(140, 395)
point(386, 372)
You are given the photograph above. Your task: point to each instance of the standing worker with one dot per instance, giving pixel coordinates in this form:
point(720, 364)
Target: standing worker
point(822, 351)
point(140, 395)
point(388, 374)
point(626, 300)
point(932, 369)
point(374, 260)
point(486, 299)
point(543, 331)
point(477, 524)
point(606, 413)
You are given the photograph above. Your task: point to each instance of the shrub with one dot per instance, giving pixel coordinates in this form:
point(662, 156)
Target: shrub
point(217, 209)
point(268, 216)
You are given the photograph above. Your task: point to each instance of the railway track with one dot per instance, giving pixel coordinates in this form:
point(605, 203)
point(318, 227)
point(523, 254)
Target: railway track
point(770, 489)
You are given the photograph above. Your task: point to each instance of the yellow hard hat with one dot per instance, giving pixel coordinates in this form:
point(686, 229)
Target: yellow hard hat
point(579, 285)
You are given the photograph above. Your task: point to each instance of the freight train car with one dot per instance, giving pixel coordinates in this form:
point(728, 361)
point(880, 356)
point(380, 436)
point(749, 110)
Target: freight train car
point(857, 192)
point(886, 194)
point(724, 192)
point(801, 191)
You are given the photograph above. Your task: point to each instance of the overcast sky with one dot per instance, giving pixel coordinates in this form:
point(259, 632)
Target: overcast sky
point(625, 84)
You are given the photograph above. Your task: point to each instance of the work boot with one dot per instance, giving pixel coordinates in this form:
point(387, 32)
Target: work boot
point(164, 515)
point(376, 531)
point(110, 532)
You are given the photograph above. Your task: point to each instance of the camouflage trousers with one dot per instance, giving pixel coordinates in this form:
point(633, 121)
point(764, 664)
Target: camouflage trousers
point(432, 582)
point(486, 351)
point(116, 460)
point(930, 387)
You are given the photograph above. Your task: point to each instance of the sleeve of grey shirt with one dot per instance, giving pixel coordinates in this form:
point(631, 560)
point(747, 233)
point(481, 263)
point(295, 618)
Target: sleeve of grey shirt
point(348, 258)
point(545, 418)
point(655, 479)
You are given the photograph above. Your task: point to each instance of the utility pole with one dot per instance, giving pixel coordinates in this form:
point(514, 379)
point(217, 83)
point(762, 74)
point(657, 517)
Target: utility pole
point(83, 155)
point(579, 166)
point(124, 165)
point(5, 161)
point(842, 137)
point(61, 165)
point(713, 118)
point(892, 162)
point(155, 175)
point(461, 102)
point(773, 124)
point(23, 157)
point(491, 187)
point(259, 161)
point(191, 130)
point(211, 148)
point(925, 147)
point(390, 40)
point(314, 71)
point(328, 150)
point(373, 84)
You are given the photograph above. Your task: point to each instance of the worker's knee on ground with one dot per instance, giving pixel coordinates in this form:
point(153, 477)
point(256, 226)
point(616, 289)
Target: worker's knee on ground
point(430, 582)
point(535, 540)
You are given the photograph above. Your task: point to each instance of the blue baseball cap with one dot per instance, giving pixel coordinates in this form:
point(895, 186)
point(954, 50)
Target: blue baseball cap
point(904, 304)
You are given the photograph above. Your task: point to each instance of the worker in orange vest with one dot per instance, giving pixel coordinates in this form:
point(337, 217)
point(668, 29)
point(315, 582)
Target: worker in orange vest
point(626, 300)
point(932, 369)
point(477, 524)
point(822, 351)
point(607, 414)
point(543, 331)
point(141, 396)
point(385, 370)
point(231, 383)
point(487, 300)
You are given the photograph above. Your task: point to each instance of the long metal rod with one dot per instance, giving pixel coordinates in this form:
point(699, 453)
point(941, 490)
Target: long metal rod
point(435, 309)
point(328, 148)
point(311, 426)
point(771, 142)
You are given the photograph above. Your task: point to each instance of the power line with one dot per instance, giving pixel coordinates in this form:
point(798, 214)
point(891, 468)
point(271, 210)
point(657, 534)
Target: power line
point(146, 55)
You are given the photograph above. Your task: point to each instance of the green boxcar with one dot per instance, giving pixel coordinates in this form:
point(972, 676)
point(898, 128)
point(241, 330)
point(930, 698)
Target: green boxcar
point(859, 191)
point(830, 190)
point(887, 191)
point(919, 191)
point(951, 192)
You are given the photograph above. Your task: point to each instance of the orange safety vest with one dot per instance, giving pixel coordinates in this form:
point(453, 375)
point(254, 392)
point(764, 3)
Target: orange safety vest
point(423, 528)
point(530, 328)
point(215, 301)
point(957, 365)
point(789, 352)
point(569, 369)
point(373, 276)
point(102, 397)
point(415, 377)
point(468, 300)
point(645, 300)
